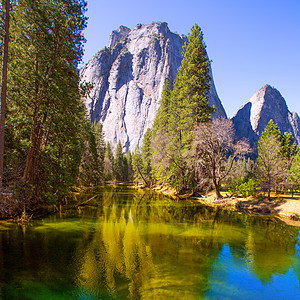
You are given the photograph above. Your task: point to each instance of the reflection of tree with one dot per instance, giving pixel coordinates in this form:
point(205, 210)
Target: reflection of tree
point(116, 257)
point(271, 249)
point(267, 244)
point(149, 243)
point(136, 244)
point(150, 248)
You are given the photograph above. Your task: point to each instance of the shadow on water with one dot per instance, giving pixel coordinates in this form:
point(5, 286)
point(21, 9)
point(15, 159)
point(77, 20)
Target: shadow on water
point(140, 245)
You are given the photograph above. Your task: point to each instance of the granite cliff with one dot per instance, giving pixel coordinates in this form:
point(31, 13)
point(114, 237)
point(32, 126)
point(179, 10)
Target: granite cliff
point(252, 118)
point(128, 78)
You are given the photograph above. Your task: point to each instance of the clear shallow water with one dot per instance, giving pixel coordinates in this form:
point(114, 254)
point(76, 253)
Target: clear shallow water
point(138, 245)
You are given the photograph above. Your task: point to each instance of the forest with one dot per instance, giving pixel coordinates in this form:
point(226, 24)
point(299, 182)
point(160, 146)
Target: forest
point(49, 148)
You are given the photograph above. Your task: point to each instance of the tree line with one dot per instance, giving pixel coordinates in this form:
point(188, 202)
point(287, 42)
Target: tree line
point(50, 146)
point(46, 134)
point(188, 150)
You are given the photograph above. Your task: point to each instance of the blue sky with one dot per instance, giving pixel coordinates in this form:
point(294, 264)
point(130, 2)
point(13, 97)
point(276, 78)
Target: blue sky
point(251, 43)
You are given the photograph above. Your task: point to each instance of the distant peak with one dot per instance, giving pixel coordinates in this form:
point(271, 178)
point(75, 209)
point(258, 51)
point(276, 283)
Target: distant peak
point(268, 87)
point(123, 28)
point(117, 35)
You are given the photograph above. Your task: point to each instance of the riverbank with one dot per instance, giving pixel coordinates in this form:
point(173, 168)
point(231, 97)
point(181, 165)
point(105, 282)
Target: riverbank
point(283, 206)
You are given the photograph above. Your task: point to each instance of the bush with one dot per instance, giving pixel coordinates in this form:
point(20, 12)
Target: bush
point(243, 186)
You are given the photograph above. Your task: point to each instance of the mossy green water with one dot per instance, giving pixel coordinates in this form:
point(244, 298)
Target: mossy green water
point(138, 245)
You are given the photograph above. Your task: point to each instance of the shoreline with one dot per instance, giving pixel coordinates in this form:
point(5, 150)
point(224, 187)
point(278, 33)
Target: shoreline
point(283, 207)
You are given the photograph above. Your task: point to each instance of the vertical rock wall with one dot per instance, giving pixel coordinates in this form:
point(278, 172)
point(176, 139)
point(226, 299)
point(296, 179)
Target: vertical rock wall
point(128, 78)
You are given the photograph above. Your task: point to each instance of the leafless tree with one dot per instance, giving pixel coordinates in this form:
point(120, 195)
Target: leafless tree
point(213, 144)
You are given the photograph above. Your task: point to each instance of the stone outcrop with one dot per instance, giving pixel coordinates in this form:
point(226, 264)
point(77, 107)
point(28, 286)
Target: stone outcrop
point(266, 104)
point(128, 78)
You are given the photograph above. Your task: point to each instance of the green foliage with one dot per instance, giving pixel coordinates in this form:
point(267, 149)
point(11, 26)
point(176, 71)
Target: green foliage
point(271, 129)
point(120, 164)
point(46, 121)
point(160, 139)
point(271, 165)
point(243, 186)
point(129, 163)
point(181, 110)
point(294, 172)
point(146, 154)
point(191, 88)
point(92, 160)
point(137, 165)
point(108, 163)
point(163, 114)
point(288, 146)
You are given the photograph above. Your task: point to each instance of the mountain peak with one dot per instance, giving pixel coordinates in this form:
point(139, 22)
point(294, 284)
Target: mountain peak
point(117, 35)
point(128, 79)
point(264, 105)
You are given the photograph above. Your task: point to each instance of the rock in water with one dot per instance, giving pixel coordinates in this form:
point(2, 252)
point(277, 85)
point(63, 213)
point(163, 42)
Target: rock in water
point(128, 79)
point(266, 104)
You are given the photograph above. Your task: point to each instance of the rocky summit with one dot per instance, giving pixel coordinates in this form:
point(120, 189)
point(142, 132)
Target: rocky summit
point(127, 80)
point(266, 104)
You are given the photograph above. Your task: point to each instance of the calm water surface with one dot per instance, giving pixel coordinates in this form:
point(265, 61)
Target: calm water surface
point(131, 244)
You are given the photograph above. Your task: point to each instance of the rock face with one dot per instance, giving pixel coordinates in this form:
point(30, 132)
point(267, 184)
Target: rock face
point(266, 104)
point(128, 78)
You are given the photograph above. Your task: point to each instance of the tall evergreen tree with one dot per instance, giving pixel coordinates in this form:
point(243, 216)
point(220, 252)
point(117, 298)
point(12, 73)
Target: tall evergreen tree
point(146, 153)
point(137, 166)
point(190, 94)
point(109, 173)
point(92, 161)
point(45, 112)
point(188, 107)
point(160, 138)
point(129, 163)
point(121, 165)
point(4, 84)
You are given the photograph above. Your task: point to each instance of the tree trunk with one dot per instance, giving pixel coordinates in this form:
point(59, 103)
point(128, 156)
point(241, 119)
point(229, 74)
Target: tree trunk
point(36, 135)
point(269, 192)
point(217, 188)
point(4, 88)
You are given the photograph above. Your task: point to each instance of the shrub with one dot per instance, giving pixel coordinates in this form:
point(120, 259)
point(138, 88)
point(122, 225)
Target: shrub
point(244, 186)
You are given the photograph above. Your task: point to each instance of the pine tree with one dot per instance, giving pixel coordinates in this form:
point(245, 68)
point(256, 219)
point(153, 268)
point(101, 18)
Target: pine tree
point(100, 146)
point(120, 166)
point(109, 173)
point(137, 166)
point(46, 115)
point(147, 155)
point(129, 163)
point(271, 167)
point(4, 84)
point(160, 139)
point(188, 107)
point(190, 94)
point(294, 173)
point(161, 121)
point(288, 146)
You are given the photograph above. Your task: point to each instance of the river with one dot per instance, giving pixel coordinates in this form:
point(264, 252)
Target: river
point(129, 244)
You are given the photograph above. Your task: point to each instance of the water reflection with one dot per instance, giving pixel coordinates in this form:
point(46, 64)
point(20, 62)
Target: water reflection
point(139, 245)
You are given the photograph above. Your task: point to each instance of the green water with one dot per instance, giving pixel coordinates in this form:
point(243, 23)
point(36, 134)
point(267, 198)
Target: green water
point(129, 244)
